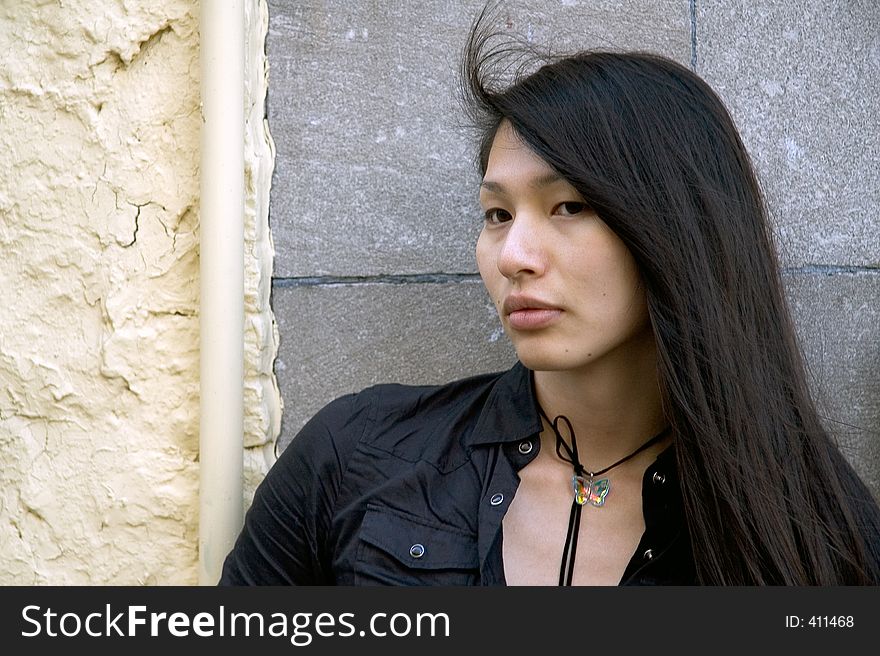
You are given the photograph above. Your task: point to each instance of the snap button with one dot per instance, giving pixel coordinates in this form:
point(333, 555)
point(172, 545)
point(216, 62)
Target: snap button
point(525, 447)
point(496, 499)
point(648, 555)
point(417, 551)
point(659, 478)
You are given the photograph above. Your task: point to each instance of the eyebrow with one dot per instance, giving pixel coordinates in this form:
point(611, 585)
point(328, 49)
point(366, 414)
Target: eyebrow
point(541, 181)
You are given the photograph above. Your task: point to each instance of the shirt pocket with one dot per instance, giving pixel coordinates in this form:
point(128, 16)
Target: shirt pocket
point(398, 549)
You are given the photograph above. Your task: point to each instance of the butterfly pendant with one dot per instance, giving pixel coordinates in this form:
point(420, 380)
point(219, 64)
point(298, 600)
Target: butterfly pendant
point(588, 490)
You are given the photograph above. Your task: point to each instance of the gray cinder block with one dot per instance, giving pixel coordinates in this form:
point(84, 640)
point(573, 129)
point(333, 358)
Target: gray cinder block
point(802, 80)
point(838, 320)
point(337, 339)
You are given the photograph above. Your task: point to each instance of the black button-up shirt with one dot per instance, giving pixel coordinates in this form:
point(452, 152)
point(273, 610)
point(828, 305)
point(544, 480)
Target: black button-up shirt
point(408, 485)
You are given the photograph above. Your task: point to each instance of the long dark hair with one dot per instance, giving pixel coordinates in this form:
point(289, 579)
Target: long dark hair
point(769, 499)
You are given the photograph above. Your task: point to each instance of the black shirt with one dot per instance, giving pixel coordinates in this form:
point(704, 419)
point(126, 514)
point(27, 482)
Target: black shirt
point(407, 485)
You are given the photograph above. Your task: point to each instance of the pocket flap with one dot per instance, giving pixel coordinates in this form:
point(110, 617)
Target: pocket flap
point(417, 543)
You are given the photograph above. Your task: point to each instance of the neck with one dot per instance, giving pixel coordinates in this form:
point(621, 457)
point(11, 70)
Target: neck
point(613, 404)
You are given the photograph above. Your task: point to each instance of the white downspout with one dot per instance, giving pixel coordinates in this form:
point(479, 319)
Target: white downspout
point(221, 319)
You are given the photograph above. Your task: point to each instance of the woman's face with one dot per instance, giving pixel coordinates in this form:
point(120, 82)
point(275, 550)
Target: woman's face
point(566, 287)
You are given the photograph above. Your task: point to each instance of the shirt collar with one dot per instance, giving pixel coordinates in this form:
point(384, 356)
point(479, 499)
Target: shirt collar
point(510, 412)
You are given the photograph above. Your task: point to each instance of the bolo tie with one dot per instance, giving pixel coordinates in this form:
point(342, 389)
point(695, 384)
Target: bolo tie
point(585, 486)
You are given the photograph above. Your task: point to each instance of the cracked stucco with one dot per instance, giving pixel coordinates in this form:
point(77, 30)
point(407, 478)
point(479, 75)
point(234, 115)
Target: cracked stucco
point(99, 407)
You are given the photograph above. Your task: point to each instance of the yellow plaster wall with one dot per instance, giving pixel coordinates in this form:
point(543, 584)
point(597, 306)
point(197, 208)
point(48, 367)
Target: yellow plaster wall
point(99, 134)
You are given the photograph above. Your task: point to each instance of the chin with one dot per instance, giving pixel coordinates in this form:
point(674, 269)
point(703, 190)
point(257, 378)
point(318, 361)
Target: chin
point(549, 360)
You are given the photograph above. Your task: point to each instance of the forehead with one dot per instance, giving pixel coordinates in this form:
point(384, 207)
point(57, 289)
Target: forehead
point(513, 165)
point(509, 153)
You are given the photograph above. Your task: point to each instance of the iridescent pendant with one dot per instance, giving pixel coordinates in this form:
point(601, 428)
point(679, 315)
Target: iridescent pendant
point(588, 490)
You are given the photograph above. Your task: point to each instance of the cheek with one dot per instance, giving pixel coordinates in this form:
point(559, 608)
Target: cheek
point(484, 256)
point(630, 306)
point(486, 264)
point(608, 281)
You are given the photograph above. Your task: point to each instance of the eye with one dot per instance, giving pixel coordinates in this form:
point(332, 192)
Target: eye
point(496, 216)
point(571, 208)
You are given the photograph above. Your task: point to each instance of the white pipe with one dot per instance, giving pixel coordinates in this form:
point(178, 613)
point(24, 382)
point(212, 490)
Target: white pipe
point(221, 323)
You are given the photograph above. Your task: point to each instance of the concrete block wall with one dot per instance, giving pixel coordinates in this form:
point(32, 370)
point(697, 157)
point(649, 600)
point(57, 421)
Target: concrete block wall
point(373, 206)
point(802, 80)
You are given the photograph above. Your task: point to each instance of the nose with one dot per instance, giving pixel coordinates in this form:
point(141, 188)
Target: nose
point(522, 252)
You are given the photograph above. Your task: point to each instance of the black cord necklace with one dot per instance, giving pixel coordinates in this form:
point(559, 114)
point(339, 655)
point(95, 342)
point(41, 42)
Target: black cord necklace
point(586, 489)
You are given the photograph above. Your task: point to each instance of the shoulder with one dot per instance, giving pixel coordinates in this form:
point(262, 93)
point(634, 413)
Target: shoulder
point(402, 402)
point(400, 419)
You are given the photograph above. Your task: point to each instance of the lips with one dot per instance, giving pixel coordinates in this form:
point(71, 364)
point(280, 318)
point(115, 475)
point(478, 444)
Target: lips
point(527, 313)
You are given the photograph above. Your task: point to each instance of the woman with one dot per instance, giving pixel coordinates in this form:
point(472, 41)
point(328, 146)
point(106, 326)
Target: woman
point(658, 427)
